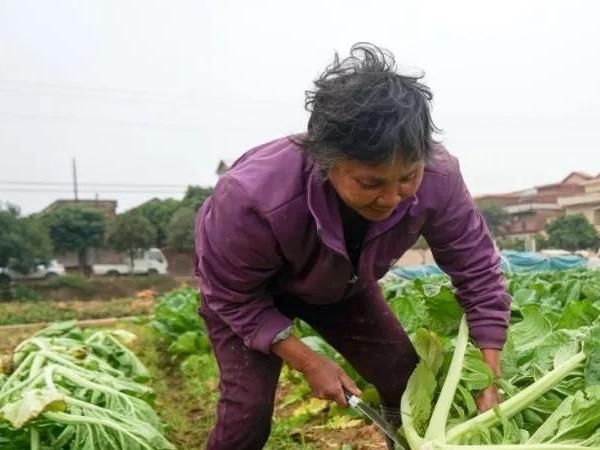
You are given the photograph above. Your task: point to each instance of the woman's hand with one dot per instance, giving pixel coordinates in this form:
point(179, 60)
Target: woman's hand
point(490, 397)
point(327, 380)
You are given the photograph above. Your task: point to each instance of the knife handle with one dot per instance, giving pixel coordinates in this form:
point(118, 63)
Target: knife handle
point(352, 399)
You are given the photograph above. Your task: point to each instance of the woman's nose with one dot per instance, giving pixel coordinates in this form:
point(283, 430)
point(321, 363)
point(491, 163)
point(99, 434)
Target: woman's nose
point(390, 198)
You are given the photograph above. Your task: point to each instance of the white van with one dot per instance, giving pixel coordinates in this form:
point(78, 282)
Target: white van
point(41, 271)
point(146, 262)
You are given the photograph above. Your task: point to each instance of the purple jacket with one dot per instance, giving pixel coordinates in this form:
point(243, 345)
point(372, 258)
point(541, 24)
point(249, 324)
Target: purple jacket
point(272, 227)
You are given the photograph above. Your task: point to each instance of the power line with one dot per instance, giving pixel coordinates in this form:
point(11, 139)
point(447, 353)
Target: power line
point(187, 96)
point(87, 191)
point(98, 121)
point(102, 184)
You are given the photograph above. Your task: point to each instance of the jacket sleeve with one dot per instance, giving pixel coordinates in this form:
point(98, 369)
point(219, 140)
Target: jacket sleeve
point(236, 256)
point(462, 247)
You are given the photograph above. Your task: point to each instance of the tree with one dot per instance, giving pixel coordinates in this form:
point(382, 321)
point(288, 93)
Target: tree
point(195, 196)
point(180, 233)
point(496, 217)
point(76, 229)
point(159, 213)
point(511, 244)
point(572, 232)
point(131, 231)
point(23, 241)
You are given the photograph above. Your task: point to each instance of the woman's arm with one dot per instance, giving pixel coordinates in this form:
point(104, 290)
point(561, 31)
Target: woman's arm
point(237, 256)
point(463, 248)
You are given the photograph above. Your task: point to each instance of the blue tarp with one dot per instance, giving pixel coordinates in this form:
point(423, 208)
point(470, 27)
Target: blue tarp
point(530, 261)
point(511, 261)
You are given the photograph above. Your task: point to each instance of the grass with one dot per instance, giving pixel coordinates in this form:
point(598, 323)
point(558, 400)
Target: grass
point(78, 287)
point(32, 311)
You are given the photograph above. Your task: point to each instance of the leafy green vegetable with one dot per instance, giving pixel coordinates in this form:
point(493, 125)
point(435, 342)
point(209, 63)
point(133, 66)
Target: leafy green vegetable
point(81, 391)
point(550, 364)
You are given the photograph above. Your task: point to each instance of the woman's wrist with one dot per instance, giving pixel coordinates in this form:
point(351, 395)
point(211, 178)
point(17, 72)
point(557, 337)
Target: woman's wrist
point(295, 352)
point(492, 357)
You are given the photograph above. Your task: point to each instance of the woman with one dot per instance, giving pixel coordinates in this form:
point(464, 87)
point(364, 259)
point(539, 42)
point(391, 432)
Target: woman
point(303, 227)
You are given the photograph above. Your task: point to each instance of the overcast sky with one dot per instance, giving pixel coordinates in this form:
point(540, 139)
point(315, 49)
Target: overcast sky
point(157, 92)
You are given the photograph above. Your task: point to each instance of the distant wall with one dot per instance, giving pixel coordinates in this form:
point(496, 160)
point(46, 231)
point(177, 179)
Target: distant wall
point(415, 257)
point(95, 256)
point(180, 264)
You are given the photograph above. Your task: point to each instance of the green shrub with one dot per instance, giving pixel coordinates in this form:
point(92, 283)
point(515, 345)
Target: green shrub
point(23, 292)
point(68, 281)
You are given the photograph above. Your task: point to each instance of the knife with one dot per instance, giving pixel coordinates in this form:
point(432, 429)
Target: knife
point(356, 403)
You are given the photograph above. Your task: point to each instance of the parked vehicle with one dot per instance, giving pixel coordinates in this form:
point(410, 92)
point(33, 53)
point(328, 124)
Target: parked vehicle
point(146, 262)
point(41, 271)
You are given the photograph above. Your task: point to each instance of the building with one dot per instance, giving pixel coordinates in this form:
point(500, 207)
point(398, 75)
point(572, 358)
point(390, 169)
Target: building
point(586, 203)
point(532, 208)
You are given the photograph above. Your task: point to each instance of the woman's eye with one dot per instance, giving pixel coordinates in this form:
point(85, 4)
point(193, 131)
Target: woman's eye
point(408, 177)
point(368, 185)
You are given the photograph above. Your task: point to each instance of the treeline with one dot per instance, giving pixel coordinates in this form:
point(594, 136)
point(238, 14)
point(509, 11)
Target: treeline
point(25, 241)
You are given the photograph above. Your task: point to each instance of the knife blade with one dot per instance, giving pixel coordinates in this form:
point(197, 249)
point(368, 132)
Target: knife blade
point(356, 403)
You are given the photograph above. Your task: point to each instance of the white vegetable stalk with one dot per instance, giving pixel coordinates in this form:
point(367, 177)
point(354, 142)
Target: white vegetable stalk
point(519, 401)
point(436, 436)
point(439, 417)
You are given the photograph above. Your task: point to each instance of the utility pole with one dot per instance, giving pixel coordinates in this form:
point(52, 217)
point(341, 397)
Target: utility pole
point(75, 179)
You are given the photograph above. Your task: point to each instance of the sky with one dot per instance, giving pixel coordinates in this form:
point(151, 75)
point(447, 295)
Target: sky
point(148, 96)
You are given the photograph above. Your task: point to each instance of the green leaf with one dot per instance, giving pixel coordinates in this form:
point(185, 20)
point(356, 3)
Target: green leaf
point(556, 348)
point(318, 344)
point(420, 388)
point(524, 297)
point(508, 358)
point(577, 417)
point(532, 330)
point(578, 313)
point(31, 404)
point(444, 312)
point(476, 375)
point(312, 407)
point(186, 344)
point(429, 349)
point(591, 347)
point(410, 311)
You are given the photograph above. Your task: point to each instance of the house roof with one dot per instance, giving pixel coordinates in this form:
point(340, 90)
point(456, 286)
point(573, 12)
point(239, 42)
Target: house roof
point(595, 180)
point(583, 175)
point(534, 191)
point(109, 207)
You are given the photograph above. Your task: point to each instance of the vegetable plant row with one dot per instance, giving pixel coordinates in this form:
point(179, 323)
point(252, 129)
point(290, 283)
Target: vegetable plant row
point(550, 363)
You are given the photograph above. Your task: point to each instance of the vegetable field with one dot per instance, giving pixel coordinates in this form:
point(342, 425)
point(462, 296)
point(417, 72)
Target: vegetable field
point(153, 384)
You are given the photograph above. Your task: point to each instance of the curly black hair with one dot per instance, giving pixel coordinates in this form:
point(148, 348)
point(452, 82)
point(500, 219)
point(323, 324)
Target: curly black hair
point(362, 109)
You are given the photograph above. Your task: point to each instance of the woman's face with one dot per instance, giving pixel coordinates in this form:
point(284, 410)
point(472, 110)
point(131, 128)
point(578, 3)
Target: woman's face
point(374, 191)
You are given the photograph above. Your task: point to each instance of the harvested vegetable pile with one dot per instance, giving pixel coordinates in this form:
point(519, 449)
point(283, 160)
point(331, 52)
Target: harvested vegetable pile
point(65, 388)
